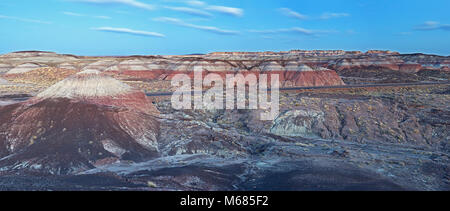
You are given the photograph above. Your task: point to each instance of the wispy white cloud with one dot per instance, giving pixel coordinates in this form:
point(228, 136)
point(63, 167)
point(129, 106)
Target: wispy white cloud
point(191, 11)
point(293, 14)
point(290, 13)
point(201, 10)
point(212, 29)
point(432, 25)
point(327, 15)
point(238, 12)
point(196, 3)
point(24, 19)
point(132, 3)
point(233, 11)
point(72, 14)
point(295, 30)
point(129, 31)
point(298, 30)
point(84, 15)
point(122, 12)
point(102, 17)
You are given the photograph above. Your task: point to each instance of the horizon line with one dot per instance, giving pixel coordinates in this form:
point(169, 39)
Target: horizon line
point(212, 52)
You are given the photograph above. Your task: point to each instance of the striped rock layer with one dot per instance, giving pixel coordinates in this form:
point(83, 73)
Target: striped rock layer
point(84, 121)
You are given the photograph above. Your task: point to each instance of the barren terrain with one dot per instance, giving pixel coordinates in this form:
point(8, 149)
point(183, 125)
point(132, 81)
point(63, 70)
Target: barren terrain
point(62, 127)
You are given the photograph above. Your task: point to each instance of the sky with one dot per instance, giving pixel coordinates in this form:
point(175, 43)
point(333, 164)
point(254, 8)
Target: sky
point(178, 27)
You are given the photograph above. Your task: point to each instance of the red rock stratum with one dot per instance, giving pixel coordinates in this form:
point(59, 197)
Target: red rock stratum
point(81, 122)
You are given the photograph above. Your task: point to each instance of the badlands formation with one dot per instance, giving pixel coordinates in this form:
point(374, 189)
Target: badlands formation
point(296, 68)
point(81, 122)
point(84, 123)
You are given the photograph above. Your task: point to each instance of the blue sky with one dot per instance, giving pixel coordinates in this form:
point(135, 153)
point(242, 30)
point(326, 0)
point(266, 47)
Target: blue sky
point(172, 27)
